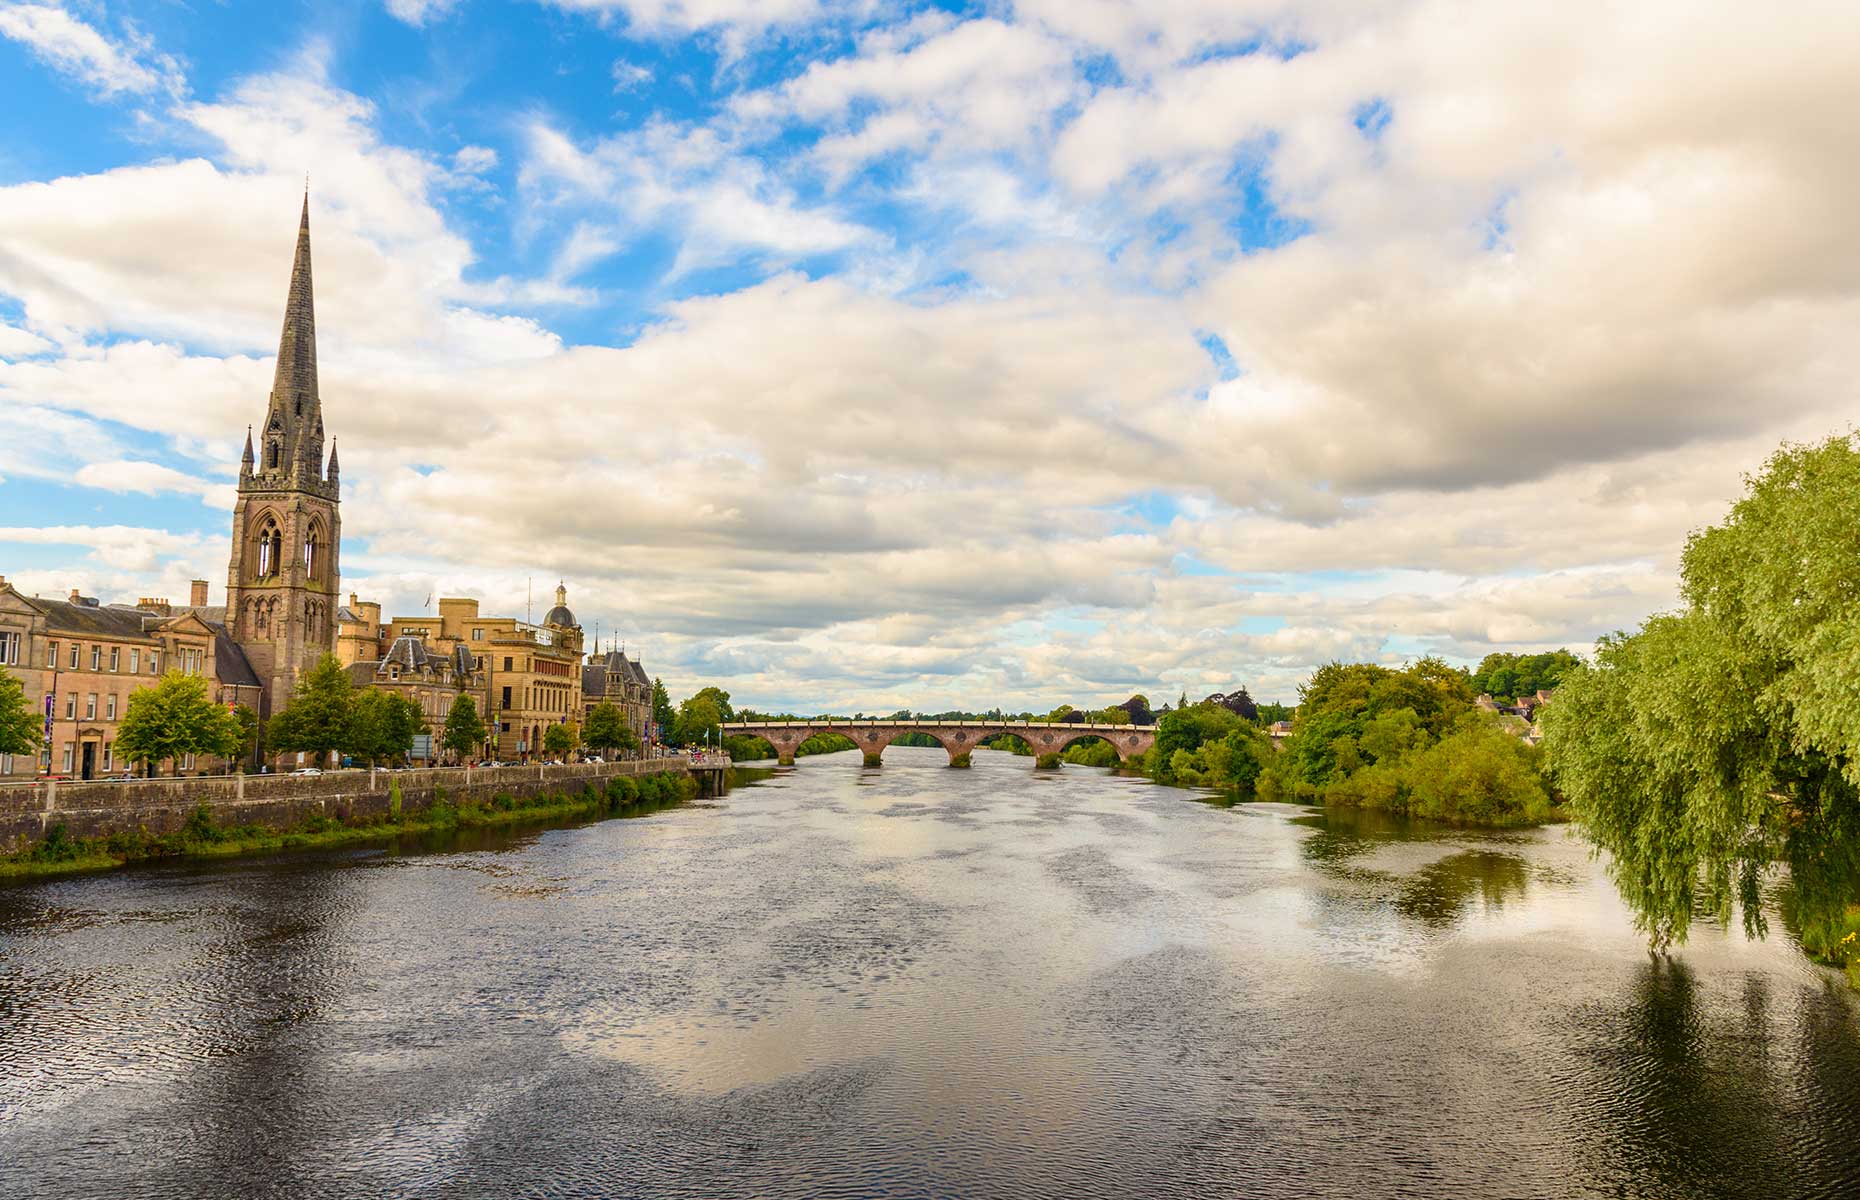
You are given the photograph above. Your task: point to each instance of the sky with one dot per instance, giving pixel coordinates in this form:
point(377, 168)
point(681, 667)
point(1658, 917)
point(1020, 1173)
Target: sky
point(854, 355)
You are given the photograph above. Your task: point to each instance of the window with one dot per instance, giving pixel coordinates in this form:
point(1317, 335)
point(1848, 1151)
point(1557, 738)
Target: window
point(477, 635)
point(116, 658)
point(506, 703)
point(9, 648)
point(6, 764)
point(90, 707)
point(187, 763)
point(51, 656)
point(71, 707)
point(107, 746)
point(74, 655)
point(67, 766)
point(135, 660)
point(109, 707)
point(154, 662)
point(506, 663)
point(96, 658)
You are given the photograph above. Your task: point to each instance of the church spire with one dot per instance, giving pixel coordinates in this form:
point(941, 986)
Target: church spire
point(294, 423)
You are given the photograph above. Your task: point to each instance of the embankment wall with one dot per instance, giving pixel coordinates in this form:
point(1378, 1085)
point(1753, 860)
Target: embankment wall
point(99, 808)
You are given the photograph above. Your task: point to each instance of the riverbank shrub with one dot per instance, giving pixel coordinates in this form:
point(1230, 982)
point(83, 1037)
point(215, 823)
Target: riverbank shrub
point(1092, 752)
point(825, 743)
point(1208, 745)
point(1405, 741)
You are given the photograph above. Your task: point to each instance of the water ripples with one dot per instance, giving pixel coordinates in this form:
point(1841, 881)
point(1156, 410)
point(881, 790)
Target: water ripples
point(912, 982)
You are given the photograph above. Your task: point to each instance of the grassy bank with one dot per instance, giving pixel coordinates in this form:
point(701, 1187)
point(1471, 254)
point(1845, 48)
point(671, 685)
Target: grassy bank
point(201, 837)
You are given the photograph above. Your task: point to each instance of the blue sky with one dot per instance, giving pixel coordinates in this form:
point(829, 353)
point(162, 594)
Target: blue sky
point(876, 354)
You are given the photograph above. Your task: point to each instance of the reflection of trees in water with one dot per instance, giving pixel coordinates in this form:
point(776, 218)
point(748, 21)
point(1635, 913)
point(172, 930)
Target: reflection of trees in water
point(1680, 1096)
point(1436, 894)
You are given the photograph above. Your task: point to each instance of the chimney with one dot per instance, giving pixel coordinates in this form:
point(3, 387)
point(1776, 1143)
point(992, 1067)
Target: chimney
point(197, 593)
point(154, 604)
point(75, 597)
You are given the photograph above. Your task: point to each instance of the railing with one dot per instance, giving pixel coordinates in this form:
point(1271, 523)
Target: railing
point(70, 791)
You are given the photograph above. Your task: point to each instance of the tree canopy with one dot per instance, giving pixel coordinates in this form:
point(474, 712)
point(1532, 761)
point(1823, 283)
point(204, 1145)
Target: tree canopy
point(1409, 741)
point(464, 732)
point(381, 725)
point(173, 719)
point(316, 719)
point(607, 730)
point(663, 716)
point(19, 719)
point(1724, 737)
point(561, 738)
point(1509, 676)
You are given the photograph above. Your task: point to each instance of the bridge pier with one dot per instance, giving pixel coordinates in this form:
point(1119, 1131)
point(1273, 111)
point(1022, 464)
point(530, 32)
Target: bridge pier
point(1048, 740)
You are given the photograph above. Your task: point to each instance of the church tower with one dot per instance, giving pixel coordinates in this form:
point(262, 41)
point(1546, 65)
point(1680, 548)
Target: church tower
point(282, 583)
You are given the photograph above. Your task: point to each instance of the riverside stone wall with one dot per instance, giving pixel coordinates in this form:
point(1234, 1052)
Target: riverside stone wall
point(98, 808)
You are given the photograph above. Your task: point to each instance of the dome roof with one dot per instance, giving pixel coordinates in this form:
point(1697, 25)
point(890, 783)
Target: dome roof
point(560, 614)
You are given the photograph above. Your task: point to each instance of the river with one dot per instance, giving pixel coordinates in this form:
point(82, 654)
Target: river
point(912, 981)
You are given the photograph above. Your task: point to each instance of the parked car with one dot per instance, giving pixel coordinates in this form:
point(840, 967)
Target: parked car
point(308, 771)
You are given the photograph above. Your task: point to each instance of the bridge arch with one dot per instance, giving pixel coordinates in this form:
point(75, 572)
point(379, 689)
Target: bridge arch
point(958, 738)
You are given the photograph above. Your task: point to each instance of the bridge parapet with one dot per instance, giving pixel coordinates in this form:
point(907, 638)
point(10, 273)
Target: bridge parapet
point(958, 738)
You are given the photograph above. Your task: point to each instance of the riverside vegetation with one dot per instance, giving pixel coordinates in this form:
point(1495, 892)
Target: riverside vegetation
point(1722, 741)
point(59, 853)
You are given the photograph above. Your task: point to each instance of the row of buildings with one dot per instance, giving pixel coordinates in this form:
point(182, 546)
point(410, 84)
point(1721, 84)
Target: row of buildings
point(80, 659)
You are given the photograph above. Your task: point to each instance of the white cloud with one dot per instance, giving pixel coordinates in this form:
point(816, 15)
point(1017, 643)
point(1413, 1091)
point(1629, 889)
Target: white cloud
point(72, 47)
point(1592, 266)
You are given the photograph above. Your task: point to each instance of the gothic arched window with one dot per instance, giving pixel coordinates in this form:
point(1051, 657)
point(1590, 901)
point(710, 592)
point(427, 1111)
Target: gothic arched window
point(271, 456)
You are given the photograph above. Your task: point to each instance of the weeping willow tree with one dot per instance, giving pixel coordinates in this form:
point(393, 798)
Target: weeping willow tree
point(1724, 738)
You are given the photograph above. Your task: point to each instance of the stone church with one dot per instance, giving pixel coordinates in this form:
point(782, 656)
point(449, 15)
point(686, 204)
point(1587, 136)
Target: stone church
point(284, 576)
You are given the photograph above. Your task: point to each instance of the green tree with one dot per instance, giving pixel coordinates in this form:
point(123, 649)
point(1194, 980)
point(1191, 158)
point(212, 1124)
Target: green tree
point(1724, 737)
point(662, 714)
point(319, 717)
point(561, 738)
point(607, 730)
point(1509, 676)
point(250, 736)
point(464, 732)
point(173, 719)
point(381, 725)
point(698, 719)
point(19, 720)
point(721, 699)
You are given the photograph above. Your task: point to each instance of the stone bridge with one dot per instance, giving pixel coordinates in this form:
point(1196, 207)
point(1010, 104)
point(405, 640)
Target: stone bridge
point(958, 738)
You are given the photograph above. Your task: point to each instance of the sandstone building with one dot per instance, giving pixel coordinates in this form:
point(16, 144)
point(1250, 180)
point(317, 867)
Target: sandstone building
point(531, 675)
point(81, 660)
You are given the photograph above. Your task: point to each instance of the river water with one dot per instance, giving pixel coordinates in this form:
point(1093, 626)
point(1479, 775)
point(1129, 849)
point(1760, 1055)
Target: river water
point(912, 982)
